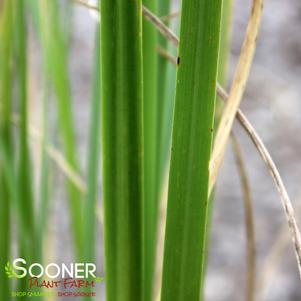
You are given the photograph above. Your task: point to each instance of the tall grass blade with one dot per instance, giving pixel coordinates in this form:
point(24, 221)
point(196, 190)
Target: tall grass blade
point(166, 95)
point(93, 161)
point(25, 193)
point(24, 183)
point(122, 143)
point(222, 77)
point(225, 42)
point(191, 147)
point(6, 51)
point(150, 113)
point(44, 191)
point(164, 99)
point(55, 59)
point(224, 52)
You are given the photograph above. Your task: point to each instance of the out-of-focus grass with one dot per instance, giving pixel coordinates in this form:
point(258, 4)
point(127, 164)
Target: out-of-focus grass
point(44, 183)
point(6, 51)
point(93, 161)
point(55, 60)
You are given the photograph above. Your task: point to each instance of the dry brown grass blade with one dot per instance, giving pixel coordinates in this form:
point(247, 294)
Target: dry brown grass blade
point(59, 159)
point(171, 16)
point(249, 221)
point(285, 199)
point(56, 156)
point(164, 30)
point(238, 88)
point(265, 155)
point(164, 53)
point(286, 202)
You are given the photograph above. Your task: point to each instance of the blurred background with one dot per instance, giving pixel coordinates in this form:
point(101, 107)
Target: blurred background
point(272, 103)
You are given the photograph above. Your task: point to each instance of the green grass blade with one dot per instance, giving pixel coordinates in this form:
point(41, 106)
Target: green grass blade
point(150, 112)
point(44, 190)
point(93, 161)
point(25, 198)
point(10, 177)
point(56, 64)
point(164, 99)
point(122, 134)
point(5, 233)
point(184, 252)
point(222, 75)
point(226, 29)
point(93, 164)
point(6, 47)
point(224, 52)
point(167, 79)
point(24, 181)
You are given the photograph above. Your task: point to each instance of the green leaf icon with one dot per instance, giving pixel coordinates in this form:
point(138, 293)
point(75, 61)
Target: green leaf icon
point(9, 271)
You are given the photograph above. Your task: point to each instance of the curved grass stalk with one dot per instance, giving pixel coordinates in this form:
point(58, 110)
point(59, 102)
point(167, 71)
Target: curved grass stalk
point(122, 145)
point(249, 221)
point(266, 157)
point(184, 250)
point(285, 199)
